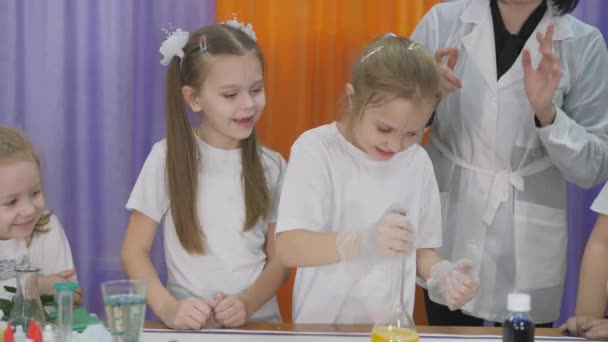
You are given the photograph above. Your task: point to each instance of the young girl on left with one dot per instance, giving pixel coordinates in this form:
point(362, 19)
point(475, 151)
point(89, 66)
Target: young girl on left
point(30, 235)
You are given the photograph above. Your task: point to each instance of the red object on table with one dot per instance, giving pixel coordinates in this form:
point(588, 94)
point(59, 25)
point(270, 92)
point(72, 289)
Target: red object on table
point(34, 332)
point(8, 333)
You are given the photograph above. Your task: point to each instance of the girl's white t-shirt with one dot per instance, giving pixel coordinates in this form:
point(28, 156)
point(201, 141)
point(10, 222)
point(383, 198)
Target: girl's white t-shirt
point(234, 259)
point(49, 251)
point(332, 186)
point(600, 205)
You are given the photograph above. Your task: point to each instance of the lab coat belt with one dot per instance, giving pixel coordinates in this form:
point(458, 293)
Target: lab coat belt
point(503, 180)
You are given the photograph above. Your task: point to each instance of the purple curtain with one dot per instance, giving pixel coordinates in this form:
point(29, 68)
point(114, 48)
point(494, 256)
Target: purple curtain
point(83, 79)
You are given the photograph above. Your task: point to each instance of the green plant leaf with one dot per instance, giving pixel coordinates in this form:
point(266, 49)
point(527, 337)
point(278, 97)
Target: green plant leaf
point(6, 306)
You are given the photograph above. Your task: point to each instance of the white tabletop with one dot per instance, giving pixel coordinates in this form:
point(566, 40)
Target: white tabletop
point(153, 335)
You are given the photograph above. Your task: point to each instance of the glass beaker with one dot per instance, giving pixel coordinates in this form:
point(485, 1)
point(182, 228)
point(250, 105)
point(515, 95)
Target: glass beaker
point(26, 303)
point(396, 325)
point(125, 307)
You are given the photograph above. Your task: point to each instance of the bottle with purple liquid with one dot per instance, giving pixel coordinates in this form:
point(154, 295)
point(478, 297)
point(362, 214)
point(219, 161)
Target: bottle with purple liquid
point(519, 326)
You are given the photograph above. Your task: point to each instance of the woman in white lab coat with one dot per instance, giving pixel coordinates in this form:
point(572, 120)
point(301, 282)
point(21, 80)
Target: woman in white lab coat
point(523, 114)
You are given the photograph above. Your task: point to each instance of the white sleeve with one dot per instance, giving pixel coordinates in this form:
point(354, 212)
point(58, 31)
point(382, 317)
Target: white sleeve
point(600, 205)
point(150, 193)
point(579, 134)
point(305, 198)
point(276, 189)
point(429, 233)
point(51, 251)
point(426, 33)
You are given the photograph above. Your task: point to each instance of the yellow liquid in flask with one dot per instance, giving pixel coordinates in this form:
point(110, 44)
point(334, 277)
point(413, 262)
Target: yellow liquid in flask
point(393, 334)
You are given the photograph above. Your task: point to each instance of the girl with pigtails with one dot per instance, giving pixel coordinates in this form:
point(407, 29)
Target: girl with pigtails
point(213, 188)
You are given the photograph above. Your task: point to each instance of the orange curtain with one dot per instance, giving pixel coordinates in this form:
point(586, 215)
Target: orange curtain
point(309, 48)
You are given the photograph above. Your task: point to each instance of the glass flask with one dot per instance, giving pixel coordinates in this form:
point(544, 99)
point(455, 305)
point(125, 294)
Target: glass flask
point(396, 324)
point(26, 303)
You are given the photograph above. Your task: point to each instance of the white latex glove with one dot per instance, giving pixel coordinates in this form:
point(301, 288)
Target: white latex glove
point(453, 283)
point(391, 236)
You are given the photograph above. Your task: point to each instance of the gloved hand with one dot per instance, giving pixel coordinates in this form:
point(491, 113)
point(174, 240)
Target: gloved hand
point(391, 236)
point(453, 283)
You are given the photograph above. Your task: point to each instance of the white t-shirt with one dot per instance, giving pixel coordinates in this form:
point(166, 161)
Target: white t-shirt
point(48, 251)
point(234, 258)
point(332, 186)
point(600, 205)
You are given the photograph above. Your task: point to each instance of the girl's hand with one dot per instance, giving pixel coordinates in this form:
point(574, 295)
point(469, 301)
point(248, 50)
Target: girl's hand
point(573, 325)
point(45, 283)
point(392, 236)
point(596, 330)
point(456, 283)
point(187, 314)
point(231, 310)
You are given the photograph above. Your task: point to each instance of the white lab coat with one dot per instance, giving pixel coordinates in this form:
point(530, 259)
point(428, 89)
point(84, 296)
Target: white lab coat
point(502, 179)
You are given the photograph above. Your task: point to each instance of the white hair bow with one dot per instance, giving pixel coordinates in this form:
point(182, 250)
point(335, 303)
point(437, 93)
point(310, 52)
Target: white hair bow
point(173, 45)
